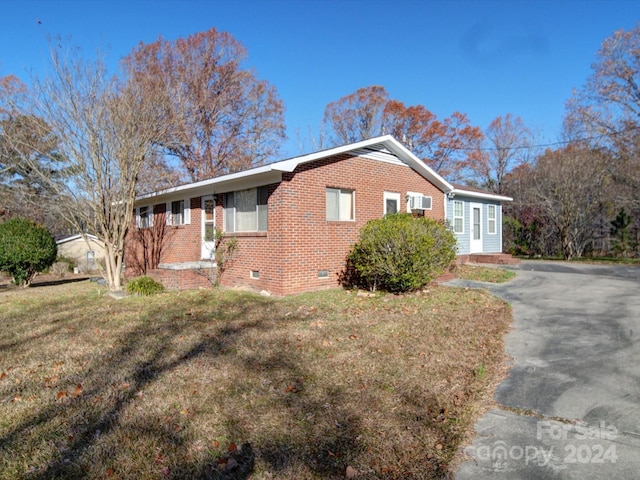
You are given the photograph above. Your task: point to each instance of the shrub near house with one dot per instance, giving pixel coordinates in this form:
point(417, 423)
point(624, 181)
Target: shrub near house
point(400, 253)
point(26, 248)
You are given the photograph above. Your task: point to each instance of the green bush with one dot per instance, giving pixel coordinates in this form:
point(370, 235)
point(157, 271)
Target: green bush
point(144, 286)
point(399, 253)
point(26, 248)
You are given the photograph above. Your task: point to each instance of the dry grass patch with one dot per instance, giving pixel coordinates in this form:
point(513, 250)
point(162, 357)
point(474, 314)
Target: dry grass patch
point(479, 273)
point(211, 384)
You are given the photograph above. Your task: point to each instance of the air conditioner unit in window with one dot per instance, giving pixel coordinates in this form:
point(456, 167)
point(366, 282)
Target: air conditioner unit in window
point(420, 202)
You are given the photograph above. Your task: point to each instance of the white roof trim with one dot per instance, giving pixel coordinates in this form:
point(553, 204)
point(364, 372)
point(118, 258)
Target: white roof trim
point(395, 147)
point(486, 196)
point(88, 236)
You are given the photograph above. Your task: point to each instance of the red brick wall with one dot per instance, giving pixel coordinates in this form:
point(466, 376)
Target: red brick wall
point(183, 279)
point(182, 242)
point(260, 251)
point(300, 240)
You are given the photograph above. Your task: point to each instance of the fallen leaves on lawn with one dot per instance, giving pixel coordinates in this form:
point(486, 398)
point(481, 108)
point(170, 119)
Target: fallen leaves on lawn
point(77, 391)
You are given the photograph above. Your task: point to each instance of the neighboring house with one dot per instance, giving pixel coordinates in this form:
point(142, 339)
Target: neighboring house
point(294, 220)
point(85, 250)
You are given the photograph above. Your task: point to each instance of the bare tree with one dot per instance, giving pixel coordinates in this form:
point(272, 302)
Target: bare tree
point(106, 130)
point(605, 113)
point(357, 116)
point(609, 103)
point(509, 142)
point(567, 187)
point(22, 193)
point(145, 249)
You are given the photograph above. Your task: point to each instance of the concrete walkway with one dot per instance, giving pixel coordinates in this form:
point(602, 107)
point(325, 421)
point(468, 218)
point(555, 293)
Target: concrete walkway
point(575, 350)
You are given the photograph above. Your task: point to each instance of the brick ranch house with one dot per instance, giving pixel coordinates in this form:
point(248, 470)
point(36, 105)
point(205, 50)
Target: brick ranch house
point(295, 220)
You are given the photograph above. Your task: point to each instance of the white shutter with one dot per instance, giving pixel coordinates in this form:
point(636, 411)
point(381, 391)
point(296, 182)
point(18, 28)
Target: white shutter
point(187, 211)
point(346, 205)
point(333, 204)
point(137, 214)
point(168, 214)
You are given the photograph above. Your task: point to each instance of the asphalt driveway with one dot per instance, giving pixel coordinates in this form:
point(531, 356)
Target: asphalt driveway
point(572, 397)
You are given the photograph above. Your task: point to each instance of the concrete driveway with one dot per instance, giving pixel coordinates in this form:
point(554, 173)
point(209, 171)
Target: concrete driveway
point(571, 401)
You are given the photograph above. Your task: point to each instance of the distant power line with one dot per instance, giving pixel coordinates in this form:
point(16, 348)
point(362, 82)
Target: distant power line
point(553, 144)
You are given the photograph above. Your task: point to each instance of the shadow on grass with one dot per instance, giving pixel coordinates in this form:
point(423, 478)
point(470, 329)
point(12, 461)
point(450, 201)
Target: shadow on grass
point(115, 380)
point(43, 283)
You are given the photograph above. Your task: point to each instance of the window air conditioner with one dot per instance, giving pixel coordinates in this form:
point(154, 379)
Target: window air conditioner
point(420, 202)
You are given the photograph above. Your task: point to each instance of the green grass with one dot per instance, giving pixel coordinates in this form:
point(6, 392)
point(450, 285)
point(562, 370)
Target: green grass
point(178, 385)
point(479, 273)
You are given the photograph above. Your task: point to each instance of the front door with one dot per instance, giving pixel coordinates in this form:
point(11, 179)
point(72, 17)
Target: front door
point(208, 227)
point(475, 233)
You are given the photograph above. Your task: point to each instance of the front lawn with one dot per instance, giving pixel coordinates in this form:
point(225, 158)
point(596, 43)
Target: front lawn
point(225, 384)
point(479, 273)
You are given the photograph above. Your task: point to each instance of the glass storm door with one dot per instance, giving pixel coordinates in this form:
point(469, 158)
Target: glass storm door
point(208, 227)
point(475, 233)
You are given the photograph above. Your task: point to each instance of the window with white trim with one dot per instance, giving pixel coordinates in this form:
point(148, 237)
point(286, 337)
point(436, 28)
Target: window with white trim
point(391, 203)
point(144, 217)
point(340, 204)
point(178, 212)
point(458, 216)
point(246, 210)
point(491, 220)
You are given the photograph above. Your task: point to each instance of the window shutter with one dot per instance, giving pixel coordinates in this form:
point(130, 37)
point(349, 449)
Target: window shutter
point(333, 204)
point(168, 214)
point(137, 214)
point(187, 211)
point(151, 215)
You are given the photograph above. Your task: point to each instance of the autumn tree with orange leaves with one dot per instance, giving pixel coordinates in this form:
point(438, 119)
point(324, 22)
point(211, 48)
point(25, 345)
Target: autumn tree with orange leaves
point(450, 146)
point(224, 118)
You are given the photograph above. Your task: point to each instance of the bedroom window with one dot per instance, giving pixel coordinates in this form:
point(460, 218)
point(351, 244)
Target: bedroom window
point(246, 210)
point(178, 212)
point(144, 217)
point(458, 217)
point(340, 204)
point(491, 220)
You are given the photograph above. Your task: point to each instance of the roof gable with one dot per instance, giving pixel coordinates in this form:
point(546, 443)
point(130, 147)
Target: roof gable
point(385, 149)
point(70, 238)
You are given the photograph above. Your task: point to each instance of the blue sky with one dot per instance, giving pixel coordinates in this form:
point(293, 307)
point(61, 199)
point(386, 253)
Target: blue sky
point(482, 58)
